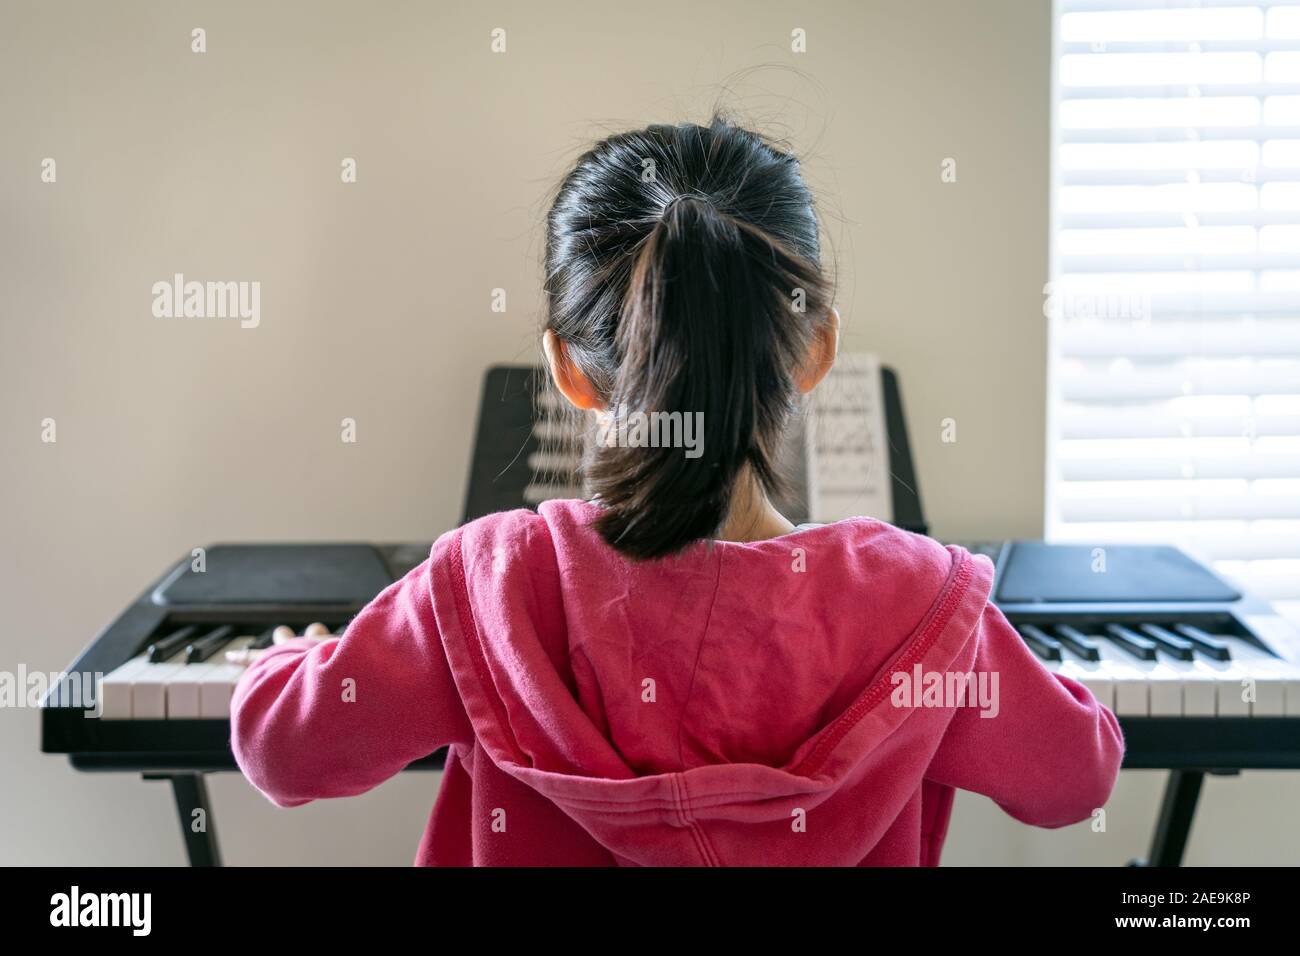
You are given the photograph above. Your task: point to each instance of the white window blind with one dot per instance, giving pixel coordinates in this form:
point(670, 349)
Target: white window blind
point(1174, 303)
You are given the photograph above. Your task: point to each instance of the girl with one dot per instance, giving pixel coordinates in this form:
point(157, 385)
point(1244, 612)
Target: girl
point(671, 673)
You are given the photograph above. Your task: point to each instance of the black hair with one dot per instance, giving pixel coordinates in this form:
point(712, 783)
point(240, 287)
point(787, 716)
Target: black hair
point(683, 275)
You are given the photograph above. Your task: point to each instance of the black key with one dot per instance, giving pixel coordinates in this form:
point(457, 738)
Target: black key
point(200, 650)
point(1079, 642)
point(1140, 647)
point(1176, 647)
point(1207, 644)
point(264, 640)
point(1044, 646)
point(170, 645)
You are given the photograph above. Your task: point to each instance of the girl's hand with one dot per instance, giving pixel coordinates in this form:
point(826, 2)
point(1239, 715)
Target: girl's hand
point(315, 633)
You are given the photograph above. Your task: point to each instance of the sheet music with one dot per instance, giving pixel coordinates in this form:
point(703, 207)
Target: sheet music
point(847, 445)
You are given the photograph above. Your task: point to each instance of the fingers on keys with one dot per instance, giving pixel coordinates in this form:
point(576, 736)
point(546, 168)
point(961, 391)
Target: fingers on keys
point(244, 655)
point(281, 635)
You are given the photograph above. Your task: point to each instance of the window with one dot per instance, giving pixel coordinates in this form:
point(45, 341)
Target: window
point(1174, 304)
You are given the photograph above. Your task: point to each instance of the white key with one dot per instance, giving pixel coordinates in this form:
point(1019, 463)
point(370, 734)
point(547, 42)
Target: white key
point(1281, 636)
point(1179, 688)
point(1202, 687)
point(1163, 679)
point(1291, 707)
point(1167, 688)
point(149, 688)
point(1275, 680)
point(183, 691)
point(216, 689)
point(1132, 690)
point(1270, 696)
point(218, 684)
point(1290, 675)
point(1198, 688)
point(115, 689)
point(1227, 677)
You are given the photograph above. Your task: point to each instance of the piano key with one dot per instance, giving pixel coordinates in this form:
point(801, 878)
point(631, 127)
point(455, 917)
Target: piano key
point(1199, 689)
point(1169, 686)
point(1078, 642)
point(1270, 696)
point(115, 689)
point(184, 688)
point(1226, 678)
point(1207, 644)
point(1114, 679)
point(216, 689)
point(1153, 688)
point(1166, 687)
point(198, 651)
point(1044, 646)
point(263, 640)
point(1132, 688)
point(149, 688)
point(1140, 647)
point(1176, 647)
point(1289, 676)
point(1203, 682)
point(1275, 681)
point(1165, 690)
point(1281, 637)
point(1232, 698)
point(162, 649)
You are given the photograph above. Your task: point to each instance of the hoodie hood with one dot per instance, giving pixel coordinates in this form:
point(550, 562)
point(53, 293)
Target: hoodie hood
point(741, 703)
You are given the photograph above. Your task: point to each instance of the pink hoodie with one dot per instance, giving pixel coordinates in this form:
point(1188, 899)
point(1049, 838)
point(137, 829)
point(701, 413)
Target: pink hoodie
point(738, 704)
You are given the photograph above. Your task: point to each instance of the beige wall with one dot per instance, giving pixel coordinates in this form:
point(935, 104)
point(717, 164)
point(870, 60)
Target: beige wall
point(225, 165)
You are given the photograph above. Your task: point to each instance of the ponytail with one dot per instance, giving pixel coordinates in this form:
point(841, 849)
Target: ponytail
point(712, 311)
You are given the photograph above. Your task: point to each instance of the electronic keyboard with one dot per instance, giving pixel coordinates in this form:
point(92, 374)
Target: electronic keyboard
point(1198, 681)
point(1202, 677)
point(164, 685)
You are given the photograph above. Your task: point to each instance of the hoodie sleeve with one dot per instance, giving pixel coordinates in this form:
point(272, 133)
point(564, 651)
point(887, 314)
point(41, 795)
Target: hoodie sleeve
point(338, 717)
point(1048, 755)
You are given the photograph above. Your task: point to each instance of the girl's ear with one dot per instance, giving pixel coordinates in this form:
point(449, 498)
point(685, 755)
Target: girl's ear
point(821, 353)
point(568, 378)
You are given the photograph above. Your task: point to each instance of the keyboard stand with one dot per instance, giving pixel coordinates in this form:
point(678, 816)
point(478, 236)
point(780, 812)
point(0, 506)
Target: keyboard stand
point(1174, 824)
point(194, 808)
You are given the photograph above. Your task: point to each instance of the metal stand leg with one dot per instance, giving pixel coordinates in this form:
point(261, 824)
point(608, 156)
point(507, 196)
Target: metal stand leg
point(195, 810)
point(1175, 821)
